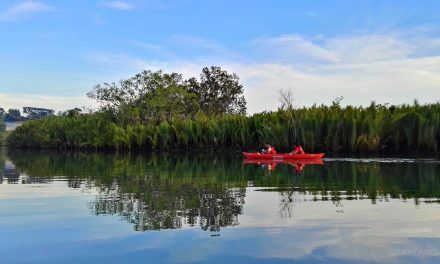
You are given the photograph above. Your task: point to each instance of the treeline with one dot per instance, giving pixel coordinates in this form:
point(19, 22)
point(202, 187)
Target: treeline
point(157, 110)
point(377, 129)
point(32, 113)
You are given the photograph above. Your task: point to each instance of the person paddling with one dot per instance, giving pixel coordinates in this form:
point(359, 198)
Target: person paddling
point(269, 149)
point(297, 149)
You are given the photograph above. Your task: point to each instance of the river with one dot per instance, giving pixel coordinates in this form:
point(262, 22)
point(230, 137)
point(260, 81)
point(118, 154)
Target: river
point(58, 207)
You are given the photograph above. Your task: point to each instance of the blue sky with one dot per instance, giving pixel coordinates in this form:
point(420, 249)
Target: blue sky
point(53, 52)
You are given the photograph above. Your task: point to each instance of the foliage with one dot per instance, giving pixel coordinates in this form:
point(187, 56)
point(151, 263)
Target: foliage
point(153, 97)
point(148, 97)
point(218, 92)
point(72, 112)
point(376, 128)
point(2, 123)
point(4, 137)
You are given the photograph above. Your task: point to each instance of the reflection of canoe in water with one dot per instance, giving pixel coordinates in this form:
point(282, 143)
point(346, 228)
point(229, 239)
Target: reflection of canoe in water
point(265, 156)
point(291, 162)
point(298, 164)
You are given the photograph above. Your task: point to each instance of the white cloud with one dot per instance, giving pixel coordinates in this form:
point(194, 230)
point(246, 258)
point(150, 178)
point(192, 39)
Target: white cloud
point(362, 49)
point(395, 82)
point(293, 48)
point(119, 5)
point(382, 67)
point(392, 81)
point(339, 50)
point(25, 9)
point(385, 68)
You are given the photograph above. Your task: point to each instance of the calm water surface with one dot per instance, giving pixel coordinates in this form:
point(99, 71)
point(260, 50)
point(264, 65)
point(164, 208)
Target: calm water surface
point(78, 207)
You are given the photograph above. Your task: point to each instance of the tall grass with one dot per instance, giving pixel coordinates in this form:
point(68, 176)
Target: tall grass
point(2, 123)
point(3, 137)
point(376, 128)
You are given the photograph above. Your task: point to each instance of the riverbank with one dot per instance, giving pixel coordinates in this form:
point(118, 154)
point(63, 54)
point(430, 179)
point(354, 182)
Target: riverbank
point(331, 129)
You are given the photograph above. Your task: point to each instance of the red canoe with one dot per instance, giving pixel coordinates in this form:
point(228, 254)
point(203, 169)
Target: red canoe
point(285, 156)
point(290, 161)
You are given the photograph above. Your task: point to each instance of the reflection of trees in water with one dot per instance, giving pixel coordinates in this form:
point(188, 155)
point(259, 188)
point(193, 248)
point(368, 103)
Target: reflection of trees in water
point(219, 209)
point(168, 191)
point(165, 207)
point(9, 173)
point(378, 182)
point(156, 192)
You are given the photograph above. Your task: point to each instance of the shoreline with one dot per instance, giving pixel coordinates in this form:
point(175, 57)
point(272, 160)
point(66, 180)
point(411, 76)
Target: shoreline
point(221, 152)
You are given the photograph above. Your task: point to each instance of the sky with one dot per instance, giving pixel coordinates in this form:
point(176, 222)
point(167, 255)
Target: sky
point(53, 52)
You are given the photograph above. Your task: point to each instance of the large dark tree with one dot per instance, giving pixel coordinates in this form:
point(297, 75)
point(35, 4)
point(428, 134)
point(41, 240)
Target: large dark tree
point(133, 91)
point(218, 91)
point(147, 97)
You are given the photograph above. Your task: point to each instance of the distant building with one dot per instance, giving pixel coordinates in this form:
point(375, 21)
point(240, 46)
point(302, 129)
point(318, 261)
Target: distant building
point(35, 112)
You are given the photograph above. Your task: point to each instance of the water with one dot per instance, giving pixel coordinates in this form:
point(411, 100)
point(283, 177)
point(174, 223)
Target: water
point(79, 207)
point(10, 126)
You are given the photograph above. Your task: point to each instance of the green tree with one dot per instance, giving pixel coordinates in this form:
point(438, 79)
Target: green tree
point(172, 102)
point(147, 97)
point(218, 91)
point(73, 112)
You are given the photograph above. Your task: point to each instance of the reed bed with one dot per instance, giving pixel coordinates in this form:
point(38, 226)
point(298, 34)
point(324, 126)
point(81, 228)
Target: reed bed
point(376, 128)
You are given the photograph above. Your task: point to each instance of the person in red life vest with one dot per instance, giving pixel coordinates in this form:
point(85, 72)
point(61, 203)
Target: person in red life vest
point(297, 149)
point(269, 149)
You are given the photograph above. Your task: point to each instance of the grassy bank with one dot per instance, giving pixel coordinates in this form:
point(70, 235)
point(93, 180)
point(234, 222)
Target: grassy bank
point(376, 128)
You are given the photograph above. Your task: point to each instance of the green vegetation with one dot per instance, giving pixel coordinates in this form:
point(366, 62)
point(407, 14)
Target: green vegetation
point(156, 110)
point(375, 128)
point(3, 137)
point(3, 133)
point(14, 115)
point(154, 97)
point(2, 124)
